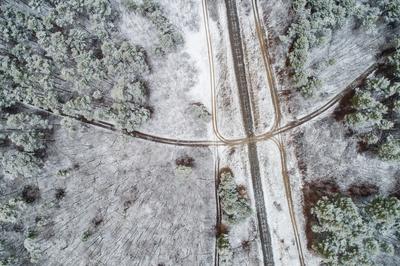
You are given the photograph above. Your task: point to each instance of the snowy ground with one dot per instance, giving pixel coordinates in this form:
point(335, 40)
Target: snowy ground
point(125, 204)
point(342, 163)
point(149, 214)
point(180, 79)
point(263, 111)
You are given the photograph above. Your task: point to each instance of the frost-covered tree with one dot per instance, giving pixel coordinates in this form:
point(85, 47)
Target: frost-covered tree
point(315, 22)
point(394, 60)
point(20, 164)
point(390, 10)
point(123, 57)
point(79, 107)
point(127, 115)
point(129, 91)
point(170, 37)
point(224, 249)
point(62, 51)
point(235, 206)
point(34, 250)
point(27, 130)
point(390, 149)
point(10, 210)
point(374, 115)
point(346, 234)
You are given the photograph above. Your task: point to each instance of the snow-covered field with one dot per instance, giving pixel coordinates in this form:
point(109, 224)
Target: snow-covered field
point(146, 213)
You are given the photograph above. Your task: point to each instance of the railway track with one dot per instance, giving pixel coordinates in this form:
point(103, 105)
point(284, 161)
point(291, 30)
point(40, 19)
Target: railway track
point(218, 205)
point(248, 123)
point(263, 40)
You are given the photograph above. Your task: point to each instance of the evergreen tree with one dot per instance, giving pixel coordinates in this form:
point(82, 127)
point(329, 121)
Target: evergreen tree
point(234, 206)
point(346, 234)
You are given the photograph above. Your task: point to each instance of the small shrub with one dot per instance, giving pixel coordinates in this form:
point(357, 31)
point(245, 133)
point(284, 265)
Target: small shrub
point(224, 249)
point(200, 112)
point(221, 229)
point(185, 161)
point(60, 193)
point(246, 245)
point(86, 235)
point(63, 172)
point(30, 193)
point(32, 234)
point(184, 165)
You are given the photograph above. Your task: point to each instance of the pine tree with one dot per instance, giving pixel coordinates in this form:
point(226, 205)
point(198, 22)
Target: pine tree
point(390, 149)
point(234, 206)
point(16, 164)
point(346, 234)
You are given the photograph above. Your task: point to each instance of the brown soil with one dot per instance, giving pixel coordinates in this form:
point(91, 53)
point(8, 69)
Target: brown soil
point(297, 149)
point(241, 189)
point(221, 229)
point(396, 190)
point(312, 193)
point(344, 107)
point(362, 190)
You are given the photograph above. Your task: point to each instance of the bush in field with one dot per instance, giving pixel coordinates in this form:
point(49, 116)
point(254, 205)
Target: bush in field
point(224, 249)
point(346, 234)
point(184, 165)
point(200, 111)
point(235, 206)
point(30, 193)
